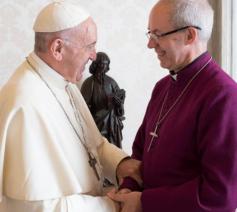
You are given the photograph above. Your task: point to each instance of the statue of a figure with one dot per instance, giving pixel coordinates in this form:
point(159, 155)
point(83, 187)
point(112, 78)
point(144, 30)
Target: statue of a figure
point(105, 100)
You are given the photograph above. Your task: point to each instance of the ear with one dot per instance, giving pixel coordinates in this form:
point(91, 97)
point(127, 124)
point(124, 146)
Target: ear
point(191, 35)
point(56, 48)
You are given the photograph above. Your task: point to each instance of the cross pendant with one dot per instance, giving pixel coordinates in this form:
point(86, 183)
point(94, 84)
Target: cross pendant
point(154, 135)
point(92, 161)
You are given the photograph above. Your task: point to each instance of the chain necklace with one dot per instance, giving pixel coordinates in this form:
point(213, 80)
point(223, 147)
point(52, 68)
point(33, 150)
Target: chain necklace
point(161, 118)
point(92, 159)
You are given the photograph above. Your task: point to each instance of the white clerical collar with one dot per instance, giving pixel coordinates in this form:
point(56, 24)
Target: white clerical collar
point(47, 72)
point(173, 74)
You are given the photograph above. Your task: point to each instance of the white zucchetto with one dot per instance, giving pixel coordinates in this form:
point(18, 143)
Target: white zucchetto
point(59, 15)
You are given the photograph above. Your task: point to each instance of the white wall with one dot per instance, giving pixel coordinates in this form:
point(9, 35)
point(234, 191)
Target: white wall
point(121, 34)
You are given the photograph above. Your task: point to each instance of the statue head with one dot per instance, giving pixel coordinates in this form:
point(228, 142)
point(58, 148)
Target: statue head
point(100, 65)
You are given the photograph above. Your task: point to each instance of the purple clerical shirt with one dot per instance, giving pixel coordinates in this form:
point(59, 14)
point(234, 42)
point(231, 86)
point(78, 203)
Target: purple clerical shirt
point(192, 164)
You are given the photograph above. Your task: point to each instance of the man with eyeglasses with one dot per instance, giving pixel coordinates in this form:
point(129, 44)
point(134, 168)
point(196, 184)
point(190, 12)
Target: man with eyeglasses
point(52, 156)
point(187, 141)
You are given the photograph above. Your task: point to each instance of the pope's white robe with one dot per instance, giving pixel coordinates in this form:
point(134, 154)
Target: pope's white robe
point(43, 164)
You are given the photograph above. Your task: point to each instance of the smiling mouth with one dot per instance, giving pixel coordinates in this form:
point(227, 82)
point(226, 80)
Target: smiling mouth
point(160, 53)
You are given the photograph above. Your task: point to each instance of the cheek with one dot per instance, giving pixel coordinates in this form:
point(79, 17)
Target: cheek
point(175, 54)
point(171, 52)
point(83, 55)
point(76, 58)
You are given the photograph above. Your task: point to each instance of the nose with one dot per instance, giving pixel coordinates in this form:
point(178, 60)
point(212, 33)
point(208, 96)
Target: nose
point(93, 55)
point(152, 43)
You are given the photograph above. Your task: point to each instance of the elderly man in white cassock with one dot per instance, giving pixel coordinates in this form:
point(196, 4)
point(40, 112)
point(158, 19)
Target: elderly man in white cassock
point(52, 156)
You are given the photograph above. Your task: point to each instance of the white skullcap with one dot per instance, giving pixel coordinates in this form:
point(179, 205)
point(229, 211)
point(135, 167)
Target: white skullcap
point(58, 16)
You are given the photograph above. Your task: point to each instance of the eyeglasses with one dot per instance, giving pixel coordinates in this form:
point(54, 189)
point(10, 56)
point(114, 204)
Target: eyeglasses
point(155, 36)
point(89, 47)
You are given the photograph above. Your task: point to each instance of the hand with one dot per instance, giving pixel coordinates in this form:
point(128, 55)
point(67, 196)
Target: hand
point(115, 191)
point(121, 191)
point(130, 202)
point(117, 100)
point(129, 167)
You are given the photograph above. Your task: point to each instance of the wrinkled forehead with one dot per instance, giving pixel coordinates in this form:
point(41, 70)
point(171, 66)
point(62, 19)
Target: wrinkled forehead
point(87, 31)
point(89, 27)
point(91, 31)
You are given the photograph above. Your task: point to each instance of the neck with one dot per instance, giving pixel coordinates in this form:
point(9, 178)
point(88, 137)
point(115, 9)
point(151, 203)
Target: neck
point(100, 77)
point(191, 56)
point(50, 62)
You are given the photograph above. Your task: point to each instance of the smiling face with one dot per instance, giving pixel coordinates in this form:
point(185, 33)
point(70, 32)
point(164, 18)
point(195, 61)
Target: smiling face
point(79, 49)
point(170, 49)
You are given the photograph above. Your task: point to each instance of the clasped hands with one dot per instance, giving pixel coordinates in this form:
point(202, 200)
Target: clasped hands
point(129, 201)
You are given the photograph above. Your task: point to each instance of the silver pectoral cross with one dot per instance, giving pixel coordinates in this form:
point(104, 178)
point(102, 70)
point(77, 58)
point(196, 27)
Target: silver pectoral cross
point(92, 161)
point(154, 135)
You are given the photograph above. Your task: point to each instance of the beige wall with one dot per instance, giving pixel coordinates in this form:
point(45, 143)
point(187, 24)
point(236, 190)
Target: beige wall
point(223, 45)
point(215, 42)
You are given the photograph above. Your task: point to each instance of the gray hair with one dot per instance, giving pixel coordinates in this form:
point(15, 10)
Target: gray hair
point(43, 39)
point(192, 13)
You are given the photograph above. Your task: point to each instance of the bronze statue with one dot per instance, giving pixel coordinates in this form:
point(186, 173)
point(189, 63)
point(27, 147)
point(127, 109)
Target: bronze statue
point(105, 100)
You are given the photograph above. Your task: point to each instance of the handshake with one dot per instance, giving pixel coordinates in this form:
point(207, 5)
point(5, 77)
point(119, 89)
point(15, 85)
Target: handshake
point(127, 200)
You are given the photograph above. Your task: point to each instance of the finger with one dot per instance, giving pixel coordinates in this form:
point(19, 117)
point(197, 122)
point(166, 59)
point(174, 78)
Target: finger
point(124, 191)
point(120, 180)
point(125, 208)
point(112, 191)
point(116, 197)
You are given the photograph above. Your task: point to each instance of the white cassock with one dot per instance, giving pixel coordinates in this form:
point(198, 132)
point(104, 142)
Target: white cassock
point(43, 163)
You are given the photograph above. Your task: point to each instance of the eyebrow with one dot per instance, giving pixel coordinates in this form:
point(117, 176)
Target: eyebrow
point(93, 43)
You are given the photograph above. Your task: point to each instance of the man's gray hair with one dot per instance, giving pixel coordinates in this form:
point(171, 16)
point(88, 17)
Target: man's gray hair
point(192, 13)
point(43, 39)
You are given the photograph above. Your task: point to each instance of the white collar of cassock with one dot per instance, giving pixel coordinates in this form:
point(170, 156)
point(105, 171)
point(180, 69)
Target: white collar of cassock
point(173, 75)
point(49, 74)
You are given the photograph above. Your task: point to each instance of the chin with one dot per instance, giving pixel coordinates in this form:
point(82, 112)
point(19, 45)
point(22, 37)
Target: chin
point(164, 66)
point(78, 78)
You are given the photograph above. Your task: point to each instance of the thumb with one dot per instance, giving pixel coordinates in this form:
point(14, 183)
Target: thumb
point(112, 191)
point(116, 197)
point(125, 191)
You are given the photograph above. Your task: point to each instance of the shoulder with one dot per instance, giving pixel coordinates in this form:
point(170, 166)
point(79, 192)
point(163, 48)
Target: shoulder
point(216, 80)
point(87, 83)
point(161, 85)
point(215, 89)
point(24, 88)
point(110, 79)
point(88, 80)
